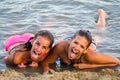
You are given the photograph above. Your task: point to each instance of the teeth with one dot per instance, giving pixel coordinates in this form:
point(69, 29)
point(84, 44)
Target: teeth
point(74, 51)
point(35, 52)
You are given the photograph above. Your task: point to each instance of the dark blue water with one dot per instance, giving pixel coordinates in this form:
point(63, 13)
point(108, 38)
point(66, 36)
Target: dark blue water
point(61, 17)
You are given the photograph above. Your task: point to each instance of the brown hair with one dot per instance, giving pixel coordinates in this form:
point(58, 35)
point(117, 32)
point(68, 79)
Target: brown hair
point(86, 34)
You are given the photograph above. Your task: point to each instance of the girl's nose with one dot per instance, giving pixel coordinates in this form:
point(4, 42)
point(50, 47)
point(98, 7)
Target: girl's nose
point(77, 48)
point(39, 49)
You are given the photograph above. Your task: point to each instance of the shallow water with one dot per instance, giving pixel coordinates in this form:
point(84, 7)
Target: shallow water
point(61, 18)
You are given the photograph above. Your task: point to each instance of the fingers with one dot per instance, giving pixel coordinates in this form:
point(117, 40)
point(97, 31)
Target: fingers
point(52, 71)
point(21, 65)
point(47, 71)
point(34, 64)
point(75, 65)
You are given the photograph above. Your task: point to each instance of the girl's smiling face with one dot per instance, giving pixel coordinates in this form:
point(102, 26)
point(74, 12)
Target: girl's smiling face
point(40, 48)
point(77, 47)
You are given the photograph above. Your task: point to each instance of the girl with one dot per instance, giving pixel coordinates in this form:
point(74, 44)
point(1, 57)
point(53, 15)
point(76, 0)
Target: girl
point(26, 48)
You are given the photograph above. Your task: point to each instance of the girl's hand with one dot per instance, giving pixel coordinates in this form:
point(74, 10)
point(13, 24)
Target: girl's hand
point(49, 70)
point(33, 64)
point(22, 65)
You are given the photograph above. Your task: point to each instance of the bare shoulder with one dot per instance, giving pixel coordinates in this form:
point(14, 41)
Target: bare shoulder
point(91, 54)
point(60, 47)
point(61, 44)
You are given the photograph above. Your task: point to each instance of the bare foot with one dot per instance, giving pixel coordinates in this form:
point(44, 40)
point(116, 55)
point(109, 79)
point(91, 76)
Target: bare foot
point(102, 19)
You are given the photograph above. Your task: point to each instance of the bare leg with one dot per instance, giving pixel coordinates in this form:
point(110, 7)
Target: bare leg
point(101, 23)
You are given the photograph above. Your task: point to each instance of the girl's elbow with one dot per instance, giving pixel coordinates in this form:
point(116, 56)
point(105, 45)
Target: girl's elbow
point(117, 62)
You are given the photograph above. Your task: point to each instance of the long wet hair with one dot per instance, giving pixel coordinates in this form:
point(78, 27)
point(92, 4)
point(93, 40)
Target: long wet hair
point(86, 34)
point(43, 33)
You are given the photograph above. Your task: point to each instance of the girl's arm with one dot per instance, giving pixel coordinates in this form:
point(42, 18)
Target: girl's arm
point(94, 59)
point(88, 66)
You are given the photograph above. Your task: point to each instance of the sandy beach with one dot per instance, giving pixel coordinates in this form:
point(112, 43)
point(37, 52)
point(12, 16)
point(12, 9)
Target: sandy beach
point(67, 74)
point(62, 18)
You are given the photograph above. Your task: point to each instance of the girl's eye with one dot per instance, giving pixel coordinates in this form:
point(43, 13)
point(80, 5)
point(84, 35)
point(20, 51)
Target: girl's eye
point(82, 47)
point(44, 47)
point(38, 54)
point(38, 43)
point(75, 42)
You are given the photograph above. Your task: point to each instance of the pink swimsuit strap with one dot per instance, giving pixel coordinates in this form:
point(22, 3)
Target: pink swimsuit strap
point(44, 56)
point(17, 39)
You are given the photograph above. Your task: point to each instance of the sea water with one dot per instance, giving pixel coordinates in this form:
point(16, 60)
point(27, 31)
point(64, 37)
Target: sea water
point(61, 17)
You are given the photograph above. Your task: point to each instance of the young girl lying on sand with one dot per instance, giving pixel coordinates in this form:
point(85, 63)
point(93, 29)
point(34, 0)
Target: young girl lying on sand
point(26, 48)
point(80, 52)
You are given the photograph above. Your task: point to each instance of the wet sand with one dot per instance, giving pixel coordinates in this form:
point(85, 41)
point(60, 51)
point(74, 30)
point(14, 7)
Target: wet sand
point(65, 74)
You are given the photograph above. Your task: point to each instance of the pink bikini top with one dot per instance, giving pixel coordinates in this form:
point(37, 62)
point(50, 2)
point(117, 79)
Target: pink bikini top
point(17, 39)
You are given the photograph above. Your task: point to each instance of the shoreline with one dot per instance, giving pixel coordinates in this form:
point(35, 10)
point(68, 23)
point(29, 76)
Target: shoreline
point(73, 74)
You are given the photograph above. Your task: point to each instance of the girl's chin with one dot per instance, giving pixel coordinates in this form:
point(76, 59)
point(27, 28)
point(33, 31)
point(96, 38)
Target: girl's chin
point(33, 59)
point(70, 58)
